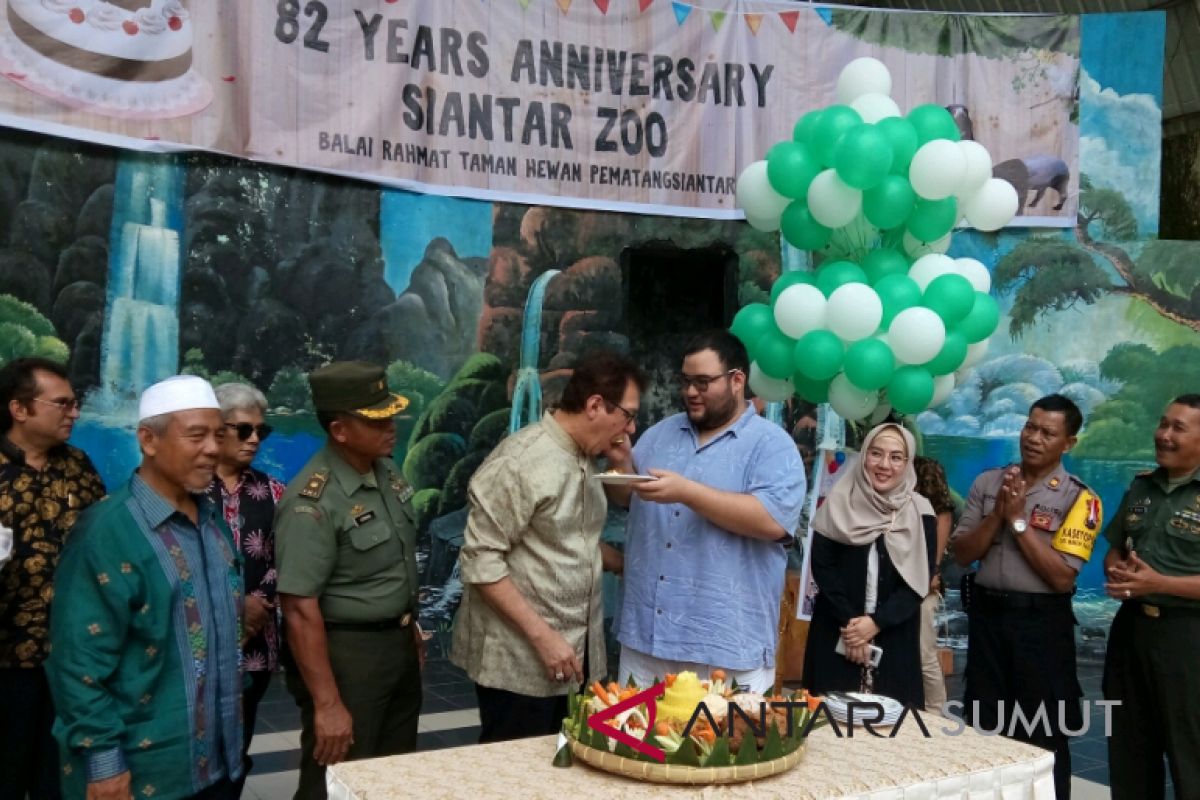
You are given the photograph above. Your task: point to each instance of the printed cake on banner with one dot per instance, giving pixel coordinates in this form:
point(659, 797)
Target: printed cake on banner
point(123, 58)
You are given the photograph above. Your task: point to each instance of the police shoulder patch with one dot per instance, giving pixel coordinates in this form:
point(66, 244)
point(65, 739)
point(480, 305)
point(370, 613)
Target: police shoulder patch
point(315, 485)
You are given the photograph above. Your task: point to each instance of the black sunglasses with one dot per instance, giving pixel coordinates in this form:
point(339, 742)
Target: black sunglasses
point(244, 429)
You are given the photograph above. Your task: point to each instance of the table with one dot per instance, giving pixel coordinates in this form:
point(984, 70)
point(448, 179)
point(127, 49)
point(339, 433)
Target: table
point(906, 767)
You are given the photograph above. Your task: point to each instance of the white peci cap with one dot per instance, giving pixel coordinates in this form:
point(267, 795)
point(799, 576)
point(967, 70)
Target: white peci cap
point(178, 393)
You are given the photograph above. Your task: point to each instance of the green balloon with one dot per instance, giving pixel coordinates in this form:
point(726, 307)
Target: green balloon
point(835, 121)
point(951, 297)
point(910, 389)
point(981, 321)
point(818, 355)
point(903, 137)
point(810, 390)
point(806, 126)
point(883, 262)
point(896, 293)
point(862, 157)
point(889, 204)
point(773, 352)
point(930, 220)
point(790, 278)
point(952, 355)
point(791, 167)
point(869, 364)
point(751, 322)
point(852, 241)
point(833, 274)
point(801, 230)
point(933, 122)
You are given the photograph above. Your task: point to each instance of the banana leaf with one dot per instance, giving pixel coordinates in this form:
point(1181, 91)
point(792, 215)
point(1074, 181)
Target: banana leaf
point(686, 755)
point(748, 752)
point(720, 755)
point(773, 747)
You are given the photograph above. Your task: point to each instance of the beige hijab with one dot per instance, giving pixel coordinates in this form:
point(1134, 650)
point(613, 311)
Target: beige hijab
point(856, 514)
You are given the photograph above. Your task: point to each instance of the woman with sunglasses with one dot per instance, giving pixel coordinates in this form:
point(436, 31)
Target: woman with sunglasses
point(247, 497)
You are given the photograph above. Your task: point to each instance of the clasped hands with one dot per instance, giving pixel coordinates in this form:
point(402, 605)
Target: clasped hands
point(1010, 499)
point(857, 637)
point(1131, 577)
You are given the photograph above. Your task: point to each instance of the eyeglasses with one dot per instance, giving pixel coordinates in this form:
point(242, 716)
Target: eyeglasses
point(244, 429)
point(66, 405)
point(630, 416)
point(895, 459)
point(701, 382)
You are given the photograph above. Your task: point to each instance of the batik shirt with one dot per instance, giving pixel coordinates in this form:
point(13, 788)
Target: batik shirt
point(147, 639)
point(40, 507)
point(249, 511)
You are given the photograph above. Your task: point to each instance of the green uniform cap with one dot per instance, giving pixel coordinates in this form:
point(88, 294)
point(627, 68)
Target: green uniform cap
point(354, 387)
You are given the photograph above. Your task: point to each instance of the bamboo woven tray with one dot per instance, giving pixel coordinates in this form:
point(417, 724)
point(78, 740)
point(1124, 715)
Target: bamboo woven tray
point(680, 774)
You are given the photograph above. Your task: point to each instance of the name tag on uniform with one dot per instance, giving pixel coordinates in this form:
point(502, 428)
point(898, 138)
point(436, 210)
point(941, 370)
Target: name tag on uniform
point(362, 515)
point(1042, 519)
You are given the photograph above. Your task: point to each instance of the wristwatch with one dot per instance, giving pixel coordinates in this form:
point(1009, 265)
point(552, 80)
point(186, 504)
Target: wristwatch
point(1020, 525)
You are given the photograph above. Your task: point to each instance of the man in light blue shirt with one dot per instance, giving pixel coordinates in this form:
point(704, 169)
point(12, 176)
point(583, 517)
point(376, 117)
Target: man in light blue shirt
point(705, 558)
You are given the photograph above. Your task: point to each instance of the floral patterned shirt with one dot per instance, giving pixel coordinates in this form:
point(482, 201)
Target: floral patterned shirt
point(40, 506)
point(249, 511)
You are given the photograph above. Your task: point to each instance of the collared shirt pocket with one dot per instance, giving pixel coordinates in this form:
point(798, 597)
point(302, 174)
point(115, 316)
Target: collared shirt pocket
point(367, 539)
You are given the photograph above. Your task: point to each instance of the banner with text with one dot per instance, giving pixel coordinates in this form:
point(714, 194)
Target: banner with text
point(651, 106)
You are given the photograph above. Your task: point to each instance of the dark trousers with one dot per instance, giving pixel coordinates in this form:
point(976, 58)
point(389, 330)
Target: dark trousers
point(1153, 670)
point(252, 695)
point(508, 715)
point(379, 680)
point(28, 752)
point(223, 789)
point(1021, 653)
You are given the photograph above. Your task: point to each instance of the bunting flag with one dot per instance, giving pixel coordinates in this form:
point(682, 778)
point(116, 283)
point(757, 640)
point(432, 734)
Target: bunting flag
point(564, 5)
point(790, 18)
point(644, 4)
point(524, 4)
point(681, 11)
point(602, 5)
point(717, 18)
point(754, 20)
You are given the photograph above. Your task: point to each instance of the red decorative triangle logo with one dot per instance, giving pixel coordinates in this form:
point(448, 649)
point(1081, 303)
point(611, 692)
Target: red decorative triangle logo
point(790, 18)
point(602, 5)
point(647, 696)
point(644, 4)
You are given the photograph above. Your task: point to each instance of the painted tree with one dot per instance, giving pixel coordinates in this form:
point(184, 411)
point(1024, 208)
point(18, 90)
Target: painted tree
point(1053, 273)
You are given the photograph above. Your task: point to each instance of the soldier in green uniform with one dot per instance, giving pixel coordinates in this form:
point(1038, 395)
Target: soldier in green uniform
point(1153, 568)
point(346, 556)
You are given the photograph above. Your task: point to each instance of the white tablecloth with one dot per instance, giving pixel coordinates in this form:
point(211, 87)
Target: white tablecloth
point(909, 766)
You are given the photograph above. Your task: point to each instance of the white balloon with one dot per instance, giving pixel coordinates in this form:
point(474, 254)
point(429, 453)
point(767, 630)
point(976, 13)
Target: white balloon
point(975, 354)
point(880, 413)
point(800, 309)
point(975, 272)
point(916, 248)
point(853, 312)
point(928, 267)
point(917, 335)
point(861, 76)
point(937, 169)
point(848, 400)
point(770, 389)
point(873, 107)
point(764, 224)
point(756, 196)
point(993, 206)
point(943, 385)
point(831, 202)
point(979, 167)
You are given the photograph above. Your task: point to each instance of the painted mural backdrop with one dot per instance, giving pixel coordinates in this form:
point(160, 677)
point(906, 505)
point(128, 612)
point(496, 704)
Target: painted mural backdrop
point(651, 107)
point(132, 266)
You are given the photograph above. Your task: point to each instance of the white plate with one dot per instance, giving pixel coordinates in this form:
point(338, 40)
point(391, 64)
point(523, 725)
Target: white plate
point(620, 480)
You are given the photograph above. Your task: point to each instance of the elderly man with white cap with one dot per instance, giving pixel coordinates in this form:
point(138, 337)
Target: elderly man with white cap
point(145, 629)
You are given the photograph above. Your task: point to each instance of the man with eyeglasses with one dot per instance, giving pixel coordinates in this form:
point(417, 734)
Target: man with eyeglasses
point(704, 556)
point(346, 554)
point(531, 623)
point(1031, 527)
point(44, 484)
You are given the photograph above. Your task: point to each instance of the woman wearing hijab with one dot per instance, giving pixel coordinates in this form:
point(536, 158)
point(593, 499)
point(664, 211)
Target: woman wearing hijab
point(872, 557)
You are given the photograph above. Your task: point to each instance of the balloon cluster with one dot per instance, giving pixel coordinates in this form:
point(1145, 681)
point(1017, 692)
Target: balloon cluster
point(878, 195)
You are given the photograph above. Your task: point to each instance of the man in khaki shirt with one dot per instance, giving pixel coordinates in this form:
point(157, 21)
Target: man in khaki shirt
point(531, 624)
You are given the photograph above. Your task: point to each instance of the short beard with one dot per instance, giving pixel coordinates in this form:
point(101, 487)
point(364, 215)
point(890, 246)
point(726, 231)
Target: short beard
point(714, 418)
